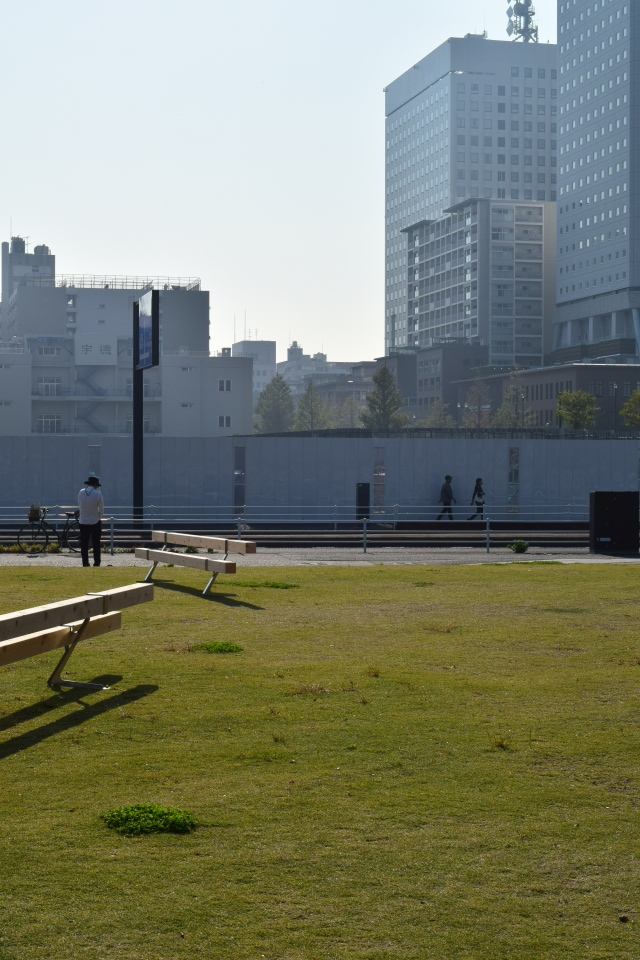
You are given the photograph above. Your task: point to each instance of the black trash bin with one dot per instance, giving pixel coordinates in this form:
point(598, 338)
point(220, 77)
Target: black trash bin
point(363, 501)
point(613, 521)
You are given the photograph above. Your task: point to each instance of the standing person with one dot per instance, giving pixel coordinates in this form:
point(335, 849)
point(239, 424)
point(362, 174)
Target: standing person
point(477, 498)
point(91, 512)
point(446, 498)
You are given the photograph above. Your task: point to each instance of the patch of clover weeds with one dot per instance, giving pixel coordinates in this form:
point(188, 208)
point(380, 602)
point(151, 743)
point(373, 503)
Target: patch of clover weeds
point(144, 818)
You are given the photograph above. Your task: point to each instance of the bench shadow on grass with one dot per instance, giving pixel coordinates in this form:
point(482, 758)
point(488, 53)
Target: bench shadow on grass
point(88, 712)
point(228, 599)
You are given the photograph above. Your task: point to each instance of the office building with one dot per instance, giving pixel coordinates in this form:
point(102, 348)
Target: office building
point(476, 118)
point(598, 286)
point(484, 272)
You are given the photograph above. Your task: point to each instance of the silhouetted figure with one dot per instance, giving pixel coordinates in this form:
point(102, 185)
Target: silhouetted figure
point(446, 498)
point(477, 498)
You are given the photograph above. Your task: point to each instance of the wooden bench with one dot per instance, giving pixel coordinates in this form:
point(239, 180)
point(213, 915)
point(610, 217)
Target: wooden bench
point(26, 633)
point(211, 565)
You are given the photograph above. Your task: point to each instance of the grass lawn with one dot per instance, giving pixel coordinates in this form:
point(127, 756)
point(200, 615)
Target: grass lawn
point(402, 762)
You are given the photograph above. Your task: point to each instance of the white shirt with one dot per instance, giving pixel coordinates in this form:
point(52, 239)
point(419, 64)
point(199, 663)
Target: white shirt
point(91, 505)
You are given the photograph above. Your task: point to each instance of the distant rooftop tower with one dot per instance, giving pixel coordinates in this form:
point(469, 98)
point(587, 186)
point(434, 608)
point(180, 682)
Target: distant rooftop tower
point(521, 21)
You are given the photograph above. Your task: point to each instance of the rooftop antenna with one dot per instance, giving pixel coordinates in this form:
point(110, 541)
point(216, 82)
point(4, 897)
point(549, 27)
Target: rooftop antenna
point(521, 21)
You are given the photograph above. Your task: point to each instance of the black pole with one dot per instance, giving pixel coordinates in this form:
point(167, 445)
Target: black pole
point(137, 425)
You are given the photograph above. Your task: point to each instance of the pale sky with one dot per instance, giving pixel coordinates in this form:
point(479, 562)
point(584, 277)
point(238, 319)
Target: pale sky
point(239, 141)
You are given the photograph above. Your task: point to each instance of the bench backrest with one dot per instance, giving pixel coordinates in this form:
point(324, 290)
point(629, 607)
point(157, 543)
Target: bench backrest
point(50, 615)
point(205, 543)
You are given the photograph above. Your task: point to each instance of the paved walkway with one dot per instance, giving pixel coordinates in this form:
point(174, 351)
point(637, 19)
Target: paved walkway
point(346, 557)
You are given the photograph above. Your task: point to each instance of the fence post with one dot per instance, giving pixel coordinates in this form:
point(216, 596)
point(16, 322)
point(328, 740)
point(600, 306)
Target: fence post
point(364, 535)
point(239, 528)
point(488, 535)
point(112, 519)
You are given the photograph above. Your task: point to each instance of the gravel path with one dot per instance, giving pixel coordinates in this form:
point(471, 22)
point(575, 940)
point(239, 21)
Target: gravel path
point(344, 556)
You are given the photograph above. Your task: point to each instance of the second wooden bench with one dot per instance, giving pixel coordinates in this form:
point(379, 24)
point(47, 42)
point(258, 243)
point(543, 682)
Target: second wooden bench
point(211, 565)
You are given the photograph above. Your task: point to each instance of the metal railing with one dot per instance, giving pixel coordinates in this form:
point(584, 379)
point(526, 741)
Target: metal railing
point(337, 516)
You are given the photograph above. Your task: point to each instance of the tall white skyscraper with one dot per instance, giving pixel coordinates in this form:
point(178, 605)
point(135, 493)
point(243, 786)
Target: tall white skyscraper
point(474, 118)
point(598, 290)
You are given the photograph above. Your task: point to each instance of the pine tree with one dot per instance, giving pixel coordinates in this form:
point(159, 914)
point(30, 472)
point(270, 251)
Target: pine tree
point(348, 414)
point(311, 414)
point(578, 409)
point(384, 403)
point(275, 409)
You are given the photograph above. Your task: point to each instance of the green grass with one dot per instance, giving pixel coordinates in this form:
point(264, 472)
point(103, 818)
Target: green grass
point(404, 763)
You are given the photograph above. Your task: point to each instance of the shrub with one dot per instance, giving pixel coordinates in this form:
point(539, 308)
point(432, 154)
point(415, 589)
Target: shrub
point(519, 546)
point(148, 818)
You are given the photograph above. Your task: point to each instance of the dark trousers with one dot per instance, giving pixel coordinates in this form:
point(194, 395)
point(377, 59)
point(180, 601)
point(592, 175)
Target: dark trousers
point(90, 532)
point(446, 509)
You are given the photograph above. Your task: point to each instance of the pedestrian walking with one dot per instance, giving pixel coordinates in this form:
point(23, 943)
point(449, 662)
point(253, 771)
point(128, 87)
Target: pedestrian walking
point(477, 498)
point(90, 514)
point(446, 498)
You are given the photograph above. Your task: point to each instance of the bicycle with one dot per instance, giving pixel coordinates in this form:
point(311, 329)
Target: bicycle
point(34, 537)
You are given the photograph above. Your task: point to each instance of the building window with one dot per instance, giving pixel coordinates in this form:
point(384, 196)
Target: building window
point(146, 424)
point(49, 423)
point(48, 351)
point(49, 386)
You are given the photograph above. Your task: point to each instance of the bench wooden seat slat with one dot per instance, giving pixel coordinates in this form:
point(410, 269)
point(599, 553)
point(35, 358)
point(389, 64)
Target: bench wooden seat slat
point(30, 645)
point(209, 564)
point(64, 623)
point(49, 615)
point(203, 542)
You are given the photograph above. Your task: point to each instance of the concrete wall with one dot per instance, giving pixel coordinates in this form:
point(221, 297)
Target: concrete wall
point(308, 472)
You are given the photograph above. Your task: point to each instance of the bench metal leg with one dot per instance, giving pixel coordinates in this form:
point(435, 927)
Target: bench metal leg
point(209, 585)
point(149, 575)
point(213, 579)
point(56, 681)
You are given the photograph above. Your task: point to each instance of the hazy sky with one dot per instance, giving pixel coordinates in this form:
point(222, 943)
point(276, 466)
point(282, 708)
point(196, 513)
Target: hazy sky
point(239, 141)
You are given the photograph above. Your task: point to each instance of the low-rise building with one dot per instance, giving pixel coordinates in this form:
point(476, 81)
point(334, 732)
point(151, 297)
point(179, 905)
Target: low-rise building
point(610, 380)
point(66, 358)
point(263, 355)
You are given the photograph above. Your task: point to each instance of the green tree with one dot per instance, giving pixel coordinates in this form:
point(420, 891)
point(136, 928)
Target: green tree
point(311, 414)
point(346, 414)
point(275, 409)
point(384, 403)
point(477, 409)
point(578, 409)
point(630, 411)
point(439, 415)
point(511, 414)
